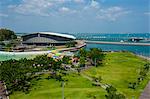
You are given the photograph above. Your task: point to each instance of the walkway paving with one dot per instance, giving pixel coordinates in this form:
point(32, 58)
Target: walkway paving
point(146, 93)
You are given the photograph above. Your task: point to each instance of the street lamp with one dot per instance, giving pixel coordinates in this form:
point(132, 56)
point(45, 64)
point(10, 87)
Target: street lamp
point(63, 90)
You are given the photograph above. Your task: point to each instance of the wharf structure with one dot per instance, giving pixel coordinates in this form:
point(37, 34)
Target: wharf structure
point(118, 43)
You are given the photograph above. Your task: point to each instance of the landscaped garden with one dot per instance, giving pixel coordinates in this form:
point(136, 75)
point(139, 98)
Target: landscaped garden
point(121, 70)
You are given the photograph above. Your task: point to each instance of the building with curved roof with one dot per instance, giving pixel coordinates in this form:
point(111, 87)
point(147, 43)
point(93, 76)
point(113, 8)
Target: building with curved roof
point(47, 38)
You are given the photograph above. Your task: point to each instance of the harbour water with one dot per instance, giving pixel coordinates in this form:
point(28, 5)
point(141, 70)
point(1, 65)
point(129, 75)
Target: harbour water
point(139, 50)
point(117, 37)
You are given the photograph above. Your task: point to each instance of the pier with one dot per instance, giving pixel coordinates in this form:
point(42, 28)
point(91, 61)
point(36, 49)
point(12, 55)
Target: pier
point(103, 38)
point(118, 43)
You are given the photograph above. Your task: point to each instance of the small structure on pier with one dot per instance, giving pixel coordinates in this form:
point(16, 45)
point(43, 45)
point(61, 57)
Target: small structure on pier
point(136, 39)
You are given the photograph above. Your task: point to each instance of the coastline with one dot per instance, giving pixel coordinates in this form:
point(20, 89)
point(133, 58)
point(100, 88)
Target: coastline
point(144, 57)
point(81, 45)
point(25, 53)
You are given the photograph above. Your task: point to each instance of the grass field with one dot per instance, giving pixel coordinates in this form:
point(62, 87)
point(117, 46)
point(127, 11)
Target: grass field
point(77, 87)
point(119, 69)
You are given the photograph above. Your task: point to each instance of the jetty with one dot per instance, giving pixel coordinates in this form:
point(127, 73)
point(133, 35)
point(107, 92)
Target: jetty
point(118, 43)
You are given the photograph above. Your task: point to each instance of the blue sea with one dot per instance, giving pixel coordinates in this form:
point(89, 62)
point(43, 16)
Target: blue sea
point(115, 37)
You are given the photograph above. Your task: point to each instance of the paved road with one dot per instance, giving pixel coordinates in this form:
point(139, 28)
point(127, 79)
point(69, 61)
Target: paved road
point(146, 93)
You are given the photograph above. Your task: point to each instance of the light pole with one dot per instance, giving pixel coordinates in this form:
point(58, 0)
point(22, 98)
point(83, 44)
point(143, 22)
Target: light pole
point(95, 62)
point(63, 90)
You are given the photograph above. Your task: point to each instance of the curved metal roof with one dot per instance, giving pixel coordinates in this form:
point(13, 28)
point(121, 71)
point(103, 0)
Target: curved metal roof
point(58, 34)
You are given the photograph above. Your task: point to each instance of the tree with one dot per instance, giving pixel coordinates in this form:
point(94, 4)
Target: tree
point(132, 85)
point(78, 70)
point(82, 52)
point(6, 34)
point(112, 93)
point(8, 47)
point(82, 61)
point(147, 66)
point(111, 90)
point(95, 55)
point(66, 59)
point(70, 44)
point(97, 78)
point(14, 74)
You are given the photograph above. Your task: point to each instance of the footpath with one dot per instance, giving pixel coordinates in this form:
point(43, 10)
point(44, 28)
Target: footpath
point(146, 93)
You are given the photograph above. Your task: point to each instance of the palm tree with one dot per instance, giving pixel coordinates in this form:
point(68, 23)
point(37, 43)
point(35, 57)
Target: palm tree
point(95, 55)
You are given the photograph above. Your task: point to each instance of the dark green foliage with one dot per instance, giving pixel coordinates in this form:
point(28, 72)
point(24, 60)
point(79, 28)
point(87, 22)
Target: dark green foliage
point(56, 65)
point(132, 85)
point(14, 73)
point(70, 44)
point(17, 74)
point(111, 90)
point(42, 62)
point(6, 34)
point(112, 93)
point(78, 70)
point(66, 59)
point(82, 61)
point(142, 75)
point(97, 79)
point(82, 52)
point(96, 55)
point(147, 66)
point(1, 43)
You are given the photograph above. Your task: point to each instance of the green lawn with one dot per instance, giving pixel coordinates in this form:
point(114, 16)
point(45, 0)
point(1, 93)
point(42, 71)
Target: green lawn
point(119, 69)
point(77, 87)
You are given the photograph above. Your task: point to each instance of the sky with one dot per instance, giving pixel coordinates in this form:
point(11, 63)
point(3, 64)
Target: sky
point(74, 16)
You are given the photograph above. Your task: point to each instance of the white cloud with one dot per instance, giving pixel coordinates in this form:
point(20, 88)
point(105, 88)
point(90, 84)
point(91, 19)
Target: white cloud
point(147, 13)
point(112, 13)
point(64, 9)
point(90, 8)
point(43, 7)
point(79, 1)
point(33, 7)
point(3, 15)
point(94, 4)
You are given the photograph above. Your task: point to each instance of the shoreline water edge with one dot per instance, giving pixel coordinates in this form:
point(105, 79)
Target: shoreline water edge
point(36, 53)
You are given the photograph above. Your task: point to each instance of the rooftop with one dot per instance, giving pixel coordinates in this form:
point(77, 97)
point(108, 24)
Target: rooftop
point(57, 34)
